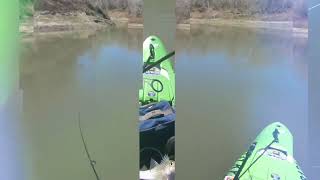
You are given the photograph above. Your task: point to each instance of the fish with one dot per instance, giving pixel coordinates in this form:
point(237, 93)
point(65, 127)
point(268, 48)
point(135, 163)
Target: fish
point(163, 171)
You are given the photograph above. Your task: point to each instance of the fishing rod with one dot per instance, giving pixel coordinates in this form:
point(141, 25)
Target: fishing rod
point(92, 162)
point(248, 154)
point(148, 67)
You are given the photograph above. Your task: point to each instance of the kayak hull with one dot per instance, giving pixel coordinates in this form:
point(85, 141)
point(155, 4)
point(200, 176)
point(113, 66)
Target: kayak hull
point(158, 82)
point(271, 158)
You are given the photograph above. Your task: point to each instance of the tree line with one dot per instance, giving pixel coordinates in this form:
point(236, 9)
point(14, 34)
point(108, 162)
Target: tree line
point(249, 7)
point(185, 7)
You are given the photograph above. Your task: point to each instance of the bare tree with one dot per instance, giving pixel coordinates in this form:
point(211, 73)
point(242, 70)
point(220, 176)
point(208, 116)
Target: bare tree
point(183, 9)
point(135, 7)
point(91, 7)
point(118, 4)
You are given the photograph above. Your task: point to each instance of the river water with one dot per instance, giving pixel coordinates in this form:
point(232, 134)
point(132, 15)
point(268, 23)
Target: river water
point(64, 75)
point(231, 83)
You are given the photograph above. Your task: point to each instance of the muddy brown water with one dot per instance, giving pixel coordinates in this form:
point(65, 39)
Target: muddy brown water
point(231, 83)
point(96, 76)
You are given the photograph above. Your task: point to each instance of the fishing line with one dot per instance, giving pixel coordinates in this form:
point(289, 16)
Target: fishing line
point(275, 135)
point(265, 150)
point(92, 162)
point(313, 7)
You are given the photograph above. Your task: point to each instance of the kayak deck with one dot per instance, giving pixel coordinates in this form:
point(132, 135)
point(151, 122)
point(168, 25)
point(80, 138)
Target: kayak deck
point(159, 81)
point(271, 158)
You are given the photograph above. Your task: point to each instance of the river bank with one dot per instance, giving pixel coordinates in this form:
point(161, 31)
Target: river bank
point(254, 24)
point(243, 23)
point(283, 21)
point(45, 22)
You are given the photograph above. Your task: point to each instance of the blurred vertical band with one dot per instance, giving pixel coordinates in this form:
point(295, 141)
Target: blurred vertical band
point(314, 89)
point(10, 162)
point(9, 17)
point(159, 19)
point(182, 131)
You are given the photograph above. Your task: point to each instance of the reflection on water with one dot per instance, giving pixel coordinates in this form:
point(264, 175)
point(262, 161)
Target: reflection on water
point(239, 80)
point(62, 76)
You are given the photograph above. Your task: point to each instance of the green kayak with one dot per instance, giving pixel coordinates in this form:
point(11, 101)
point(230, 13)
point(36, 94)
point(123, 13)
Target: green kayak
point(158, 81)
point(270, 157)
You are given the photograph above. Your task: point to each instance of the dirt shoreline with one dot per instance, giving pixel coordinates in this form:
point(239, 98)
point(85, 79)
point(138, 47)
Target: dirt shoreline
point(42, 22)
point(45, 22)
point(254, 24)
point(224, 18)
